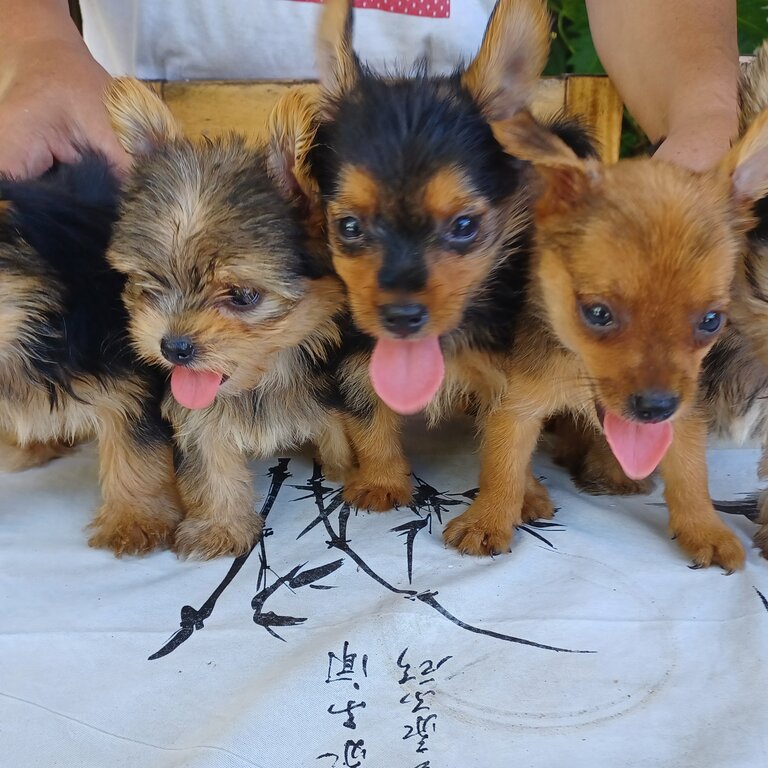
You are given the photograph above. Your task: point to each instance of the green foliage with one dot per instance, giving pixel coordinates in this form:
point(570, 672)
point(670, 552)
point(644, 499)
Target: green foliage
point(573, 49)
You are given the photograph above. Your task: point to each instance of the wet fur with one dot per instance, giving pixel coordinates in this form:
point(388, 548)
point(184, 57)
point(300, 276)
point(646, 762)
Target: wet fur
point(67, 373)
point(198, 218)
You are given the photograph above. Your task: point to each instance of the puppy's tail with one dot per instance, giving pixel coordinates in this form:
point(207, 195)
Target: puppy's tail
point(753, 89)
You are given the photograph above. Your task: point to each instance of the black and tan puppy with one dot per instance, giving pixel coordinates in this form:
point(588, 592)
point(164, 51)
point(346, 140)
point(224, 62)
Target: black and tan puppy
point(428, 223)
point(67, 372)
point(230, 291)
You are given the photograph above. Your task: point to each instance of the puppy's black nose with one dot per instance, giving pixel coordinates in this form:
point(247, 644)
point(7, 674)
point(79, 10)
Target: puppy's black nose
point(403, 319)
point(653, 406)
point(178, 350)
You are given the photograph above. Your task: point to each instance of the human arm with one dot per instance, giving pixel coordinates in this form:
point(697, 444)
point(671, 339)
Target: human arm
point(676, 65)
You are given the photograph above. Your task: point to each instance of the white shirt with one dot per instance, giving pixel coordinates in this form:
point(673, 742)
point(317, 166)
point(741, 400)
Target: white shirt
point(272, 39)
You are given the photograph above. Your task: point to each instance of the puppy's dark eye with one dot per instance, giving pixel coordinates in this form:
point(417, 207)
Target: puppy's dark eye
point(710, 322)
point(243, 298)
point(349, 228)
point(597, 315)
point(463, 229)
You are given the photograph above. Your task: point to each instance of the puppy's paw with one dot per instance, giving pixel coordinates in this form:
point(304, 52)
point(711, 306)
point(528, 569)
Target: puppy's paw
point(376, 496)
point(712, 544)
point(474, 534)
point(128, 531)
point(203, 539)
point(14, 458)
point(537, 505)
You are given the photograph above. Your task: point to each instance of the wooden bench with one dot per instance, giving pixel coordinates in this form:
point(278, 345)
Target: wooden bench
point(213, 107)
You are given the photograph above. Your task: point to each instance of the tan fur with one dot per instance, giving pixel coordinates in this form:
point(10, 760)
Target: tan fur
point(183, 250)
point(336, 59)
point(659, 246)
point(514, 51)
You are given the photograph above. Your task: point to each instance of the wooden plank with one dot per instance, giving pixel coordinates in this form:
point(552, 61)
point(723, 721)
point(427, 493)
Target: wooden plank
point(215, 107)
point(596, 100)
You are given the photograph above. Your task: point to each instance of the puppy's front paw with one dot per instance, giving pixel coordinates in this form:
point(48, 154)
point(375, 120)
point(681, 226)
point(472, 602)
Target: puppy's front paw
point(712, 544)
point(375, 496)
point(127, 530)
point(203, 539)
point(537, 505)
point(477, 534)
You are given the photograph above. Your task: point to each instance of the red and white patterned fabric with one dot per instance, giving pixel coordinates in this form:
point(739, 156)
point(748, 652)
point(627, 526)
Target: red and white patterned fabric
point(434, 9)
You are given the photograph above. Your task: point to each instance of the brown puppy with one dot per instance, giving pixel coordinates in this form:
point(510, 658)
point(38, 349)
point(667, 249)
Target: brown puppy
point(734, 382)
point(429, 226)
point(227, 291)
point(630, 283)
point(67, 372)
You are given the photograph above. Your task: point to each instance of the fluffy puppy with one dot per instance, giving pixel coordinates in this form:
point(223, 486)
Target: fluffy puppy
point(67, 372)
point(428, 223)
point(629, 287)
point(735, 381)
point(227, 291)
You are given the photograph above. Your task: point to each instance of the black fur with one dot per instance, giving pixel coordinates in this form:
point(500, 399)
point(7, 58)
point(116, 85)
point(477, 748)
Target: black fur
point(402, 131)
point(59, 228)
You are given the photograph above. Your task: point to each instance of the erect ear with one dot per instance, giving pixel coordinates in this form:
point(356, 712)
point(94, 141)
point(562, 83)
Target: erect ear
point(336, 60)
point(746, 165)
point(141, 121)
point(511, 58)
point(291, 129)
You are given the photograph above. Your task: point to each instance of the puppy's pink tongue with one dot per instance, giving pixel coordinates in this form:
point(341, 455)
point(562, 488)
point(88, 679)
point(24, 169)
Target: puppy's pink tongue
point(194, 389)
point(407, 374)
point(639, 448)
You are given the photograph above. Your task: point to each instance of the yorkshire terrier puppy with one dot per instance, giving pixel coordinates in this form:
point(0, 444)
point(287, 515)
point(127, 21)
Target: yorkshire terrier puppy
point(629, 287)
point(428, 223)
point(230, 292)
point(67, 372)
point(734, 381)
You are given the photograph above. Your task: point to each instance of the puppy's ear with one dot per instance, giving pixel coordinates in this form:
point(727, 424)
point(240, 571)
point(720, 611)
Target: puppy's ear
point(511, 58)
point(140, 119)
point(5, 208)
point(746, 165)
point(291, 129)
point(562, 180)
point(339, 66)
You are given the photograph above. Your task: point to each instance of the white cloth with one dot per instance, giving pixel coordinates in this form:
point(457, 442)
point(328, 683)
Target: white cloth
point(677, 677)
point(270, 39)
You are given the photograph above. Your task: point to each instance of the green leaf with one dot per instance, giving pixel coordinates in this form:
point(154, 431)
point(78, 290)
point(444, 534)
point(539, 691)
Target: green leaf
point(752, 19)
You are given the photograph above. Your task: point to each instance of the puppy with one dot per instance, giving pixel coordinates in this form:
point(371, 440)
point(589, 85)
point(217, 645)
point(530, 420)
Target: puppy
point(428, 222)
point(67, 372)
point(629, 288)
point(227, 291)
point(734, 382)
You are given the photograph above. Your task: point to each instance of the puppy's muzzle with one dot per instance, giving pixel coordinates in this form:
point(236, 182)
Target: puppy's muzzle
point(403, 319)
point(178, 350)
point(653, 406)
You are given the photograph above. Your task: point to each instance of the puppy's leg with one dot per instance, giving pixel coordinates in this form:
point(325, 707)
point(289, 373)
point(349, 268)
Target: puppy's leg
point(692, 518)
point(585, 453)
point(487, 527)
point(382, 478)
point(536, 503)
point(761, 537)
point(16, 458)
point(335, 452)
point(217, 491)
point(140, 504)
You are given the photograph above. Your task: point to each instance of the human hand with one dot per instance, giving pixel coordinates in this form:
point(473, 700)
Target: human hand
point(700, 143)
point(51, 106)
